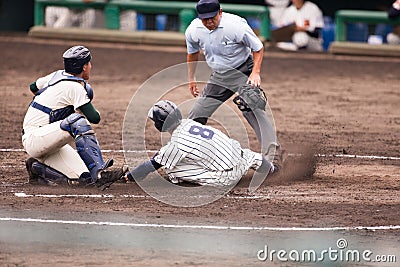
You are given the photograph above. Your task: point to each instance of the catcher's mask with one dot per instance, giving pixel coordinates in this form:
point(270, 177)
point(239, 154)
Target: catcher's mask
point(75, 58)
point(166, 115)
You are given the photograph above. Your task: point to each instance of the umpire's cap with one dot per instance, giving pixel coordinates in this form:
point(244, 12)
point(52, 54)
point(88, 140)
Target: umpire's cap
point(166, 115)
point(75, 58)
point(207, 8)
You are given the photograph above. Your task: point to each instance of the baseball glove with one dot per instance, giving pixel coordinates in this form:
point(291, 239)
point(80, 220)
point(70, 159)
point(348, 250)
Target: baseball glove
point(250, 98)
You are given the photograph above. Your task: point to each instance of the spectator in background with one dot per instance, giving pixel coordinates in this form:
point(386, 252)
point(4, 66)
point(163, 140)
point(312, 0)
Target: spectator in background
point(394, 12)
point(276, 9)
point(57, 17)
point(63, 17)
point(127, 19)
point(308, 22)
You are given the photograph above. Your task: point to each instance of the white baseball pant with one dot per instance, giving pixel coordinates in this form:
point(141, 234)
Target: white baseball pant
point(49, 145)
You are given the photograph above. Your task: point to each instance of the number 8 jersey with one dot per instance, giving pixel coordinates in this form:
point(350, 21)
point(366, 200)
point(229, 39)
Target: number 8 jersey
point(195, 144)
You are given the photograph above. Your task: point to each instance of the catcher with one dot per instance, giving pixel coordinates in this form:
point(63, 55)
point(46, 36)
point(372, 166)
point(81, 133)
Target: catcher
point(198, 154)
point(61, 112)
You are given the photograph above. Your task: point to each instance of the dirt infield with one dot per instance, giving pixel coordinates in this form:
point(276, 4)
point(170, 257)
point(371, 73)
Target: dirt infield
point(322, 104)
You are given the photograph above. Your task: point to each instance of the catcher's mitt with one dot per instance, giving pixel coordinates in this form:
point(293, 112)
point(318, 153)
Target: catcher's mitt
point(250, 98)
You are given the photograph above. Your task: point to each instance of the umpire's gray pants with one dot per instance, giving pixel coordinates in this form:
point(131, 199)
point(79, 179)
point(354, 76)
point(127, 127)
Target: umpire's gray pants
point(220, 88)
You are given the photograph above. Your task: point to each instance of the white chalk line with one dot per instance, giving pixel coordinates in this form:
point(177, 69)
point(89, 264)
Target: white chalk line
point(371, 157)
point(22, 194)
point(202, 227)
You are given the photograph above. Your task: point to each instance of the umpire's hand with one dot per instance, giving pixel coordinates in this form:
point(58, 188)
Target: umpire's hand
point(193, 88)
point(254, 79)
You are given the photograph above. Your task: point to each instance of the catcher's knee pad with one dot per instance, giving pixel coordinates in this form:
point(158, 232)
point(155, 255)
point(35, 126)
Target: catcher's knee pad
point(76, 124)
point(47, 175)
point(86, 143)
point(89, 150)
point(250, 98)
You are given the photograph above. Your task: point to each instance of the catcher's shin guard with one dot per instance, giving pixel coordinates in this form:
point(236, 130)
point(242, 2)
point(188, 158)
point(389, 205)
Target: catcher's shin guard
point(45, 175)
point(89, 151)
point(86, 144)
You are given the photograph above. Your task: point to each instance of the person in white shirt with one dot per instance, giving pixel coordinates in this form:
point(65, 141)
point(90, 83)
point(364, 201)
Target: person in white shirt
point(276, 9)
point(308, 20)
point(64, 17)
point(394, 12)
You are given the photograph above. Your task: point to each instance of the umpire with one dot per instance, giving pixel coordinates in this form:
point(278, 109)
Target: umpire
point(234, 53)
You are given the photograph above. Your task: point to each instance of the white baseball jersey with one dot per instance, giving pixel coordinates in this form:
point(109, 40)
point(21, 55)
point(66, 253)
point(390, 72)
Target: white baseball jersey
point(204, 155)
point(276, 9)
point(308, 12)
point(60, 95)
point(48, 142)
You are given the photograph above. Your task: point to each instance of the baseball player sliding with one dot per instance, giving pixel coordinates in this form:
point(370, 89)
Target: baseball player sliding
point(197, 153)
point(61, 111)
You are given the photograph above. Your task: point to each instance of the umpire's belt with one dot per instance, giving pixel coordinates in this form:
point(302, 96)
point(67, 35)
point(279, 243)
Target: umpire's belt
point(246, 66)
point(40, 107)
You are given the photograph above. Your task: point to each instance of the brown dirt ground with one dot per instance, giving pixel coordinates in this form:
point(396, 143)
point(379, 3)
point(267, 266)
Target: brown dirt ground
point(321, 103)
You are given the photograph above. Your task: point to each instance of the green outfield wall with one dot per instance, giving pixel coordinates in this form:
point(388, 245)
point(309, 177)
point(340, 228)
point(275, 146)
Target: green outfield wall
point(17, 15)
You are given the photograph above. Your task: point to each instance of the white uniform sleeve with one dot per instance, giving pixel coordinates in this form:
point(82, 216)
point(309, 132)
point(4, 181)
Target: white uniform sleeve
point(287, 17)
point(77, 96)
point(169, 155)
point(317, 19)
point(191, 45)
point(42, 82)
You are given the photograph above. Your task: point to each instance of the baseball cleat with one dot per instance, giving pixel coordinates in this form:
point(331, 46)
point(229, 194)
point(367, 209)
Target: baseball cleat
point(33, 178)
point(107, 178)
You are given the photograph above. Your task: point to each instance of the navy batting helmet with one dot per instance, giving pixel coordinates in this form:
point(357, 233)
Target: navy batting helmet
point(75, 58)
point(166, 115)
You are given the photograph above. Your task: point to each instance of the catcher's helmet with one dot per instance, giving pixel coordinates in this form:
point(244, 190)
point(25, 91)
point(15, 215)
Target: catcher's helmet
point(75, 58)
point(166, 115)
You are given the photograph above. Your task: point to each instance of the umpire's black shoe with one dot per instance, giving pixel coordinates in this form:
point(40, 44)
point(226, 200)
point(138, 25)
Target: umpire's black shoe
point(108, 177)
point(278, 159)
